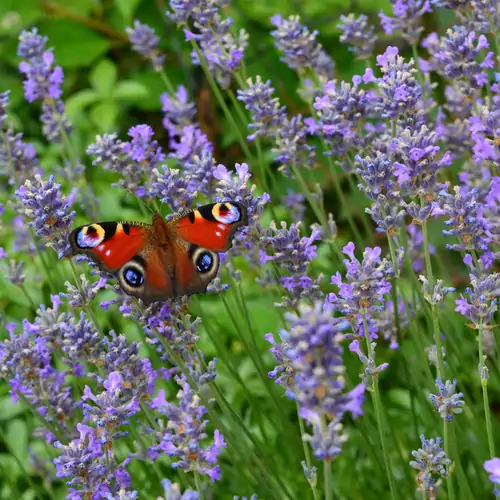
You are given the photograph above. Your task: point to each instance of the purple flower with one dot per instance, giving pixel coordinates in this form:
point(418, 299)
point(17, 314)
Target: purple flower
point(110, 409)
point(326, 444)
point(182, 10)
point(48, 211)
point(447, 401)
point(377, 173)
point(267, 113)
point(182, 439)
point(416, 168)
point(89, 468)
point(82, 295)
point(222, 50)
point(178, 110)
point(465, 220)
point(313, 346)
point(31, 44)
point(299, 47)
point(432, 462)
point(81, 342)
point(289, 249)
point(137, 373)
point(172, 491)
point(359, 34)
point(457, 57)
point(493, 467)
point(311, 370)
point(482, 295)
point(43, 82)
point(25, 361)
point(291, 146)
point(174, 188)
point(339, 109)
point(269, 119)
point(18, 160)
point(294, 202)
point(133, 160)
point(407, 18)
point(365, 286)
point(191, 142)
point(484, 126)
point(400, 93)
point(145, 42)
point(439, 292)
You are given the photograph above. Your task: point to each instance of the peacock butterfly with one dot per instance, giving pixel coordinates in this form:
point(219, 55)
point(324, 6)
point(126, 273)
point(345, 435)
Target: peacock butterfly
point(163, 259)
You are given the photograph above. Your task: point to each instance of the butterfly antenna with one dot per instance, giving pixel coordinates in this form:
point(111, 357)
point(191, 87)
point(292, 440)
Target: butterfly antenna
point(142, 205)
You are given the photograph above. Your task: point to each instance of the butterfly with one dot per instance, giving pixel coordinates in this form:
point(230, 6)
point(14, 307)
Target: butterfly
point(163, 259)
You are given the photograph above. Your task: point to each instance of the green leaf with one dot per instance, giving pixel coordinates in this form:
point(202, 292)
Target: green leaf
point(103, 77)
point(129, 90)
point(74, 44)
point(15, 15)
point(151, 80)
point(77, 102)
point(104, 115)
point(9, 410)
point(17, 438)
point(127, 8)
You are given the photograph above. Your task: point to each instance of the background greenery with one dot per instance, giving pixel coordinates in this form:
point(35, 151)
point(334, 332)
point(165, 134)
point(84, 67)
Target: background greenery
point(108, 88)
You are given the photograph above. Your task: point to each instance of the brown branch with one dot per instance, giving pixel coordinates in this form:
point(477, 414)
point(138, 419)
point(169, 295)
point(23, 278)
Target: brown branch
point(59, 12)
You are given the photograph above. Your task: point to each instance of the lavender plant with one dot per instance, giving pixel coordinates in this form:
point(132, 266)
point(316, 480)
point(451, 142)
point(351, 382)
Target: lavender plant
point(382, 177)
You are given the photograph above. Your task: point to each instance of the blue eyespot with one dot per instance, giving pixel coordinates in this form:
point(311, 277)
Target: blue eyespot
point(133, 277)
point(204, 262)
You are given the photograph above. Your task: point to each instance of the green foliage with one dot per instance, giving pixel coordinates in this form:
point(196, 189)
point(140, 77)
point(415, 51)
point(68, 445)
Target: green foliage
point(108, 89)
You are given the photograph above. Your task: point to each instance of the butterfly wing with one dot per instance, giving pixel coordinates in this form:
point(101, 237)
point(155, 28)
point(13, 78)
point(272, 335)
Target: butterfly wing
point(163, 259)
point(197, 236)
point(211, 226)
point(110, 244)
point(128, 250)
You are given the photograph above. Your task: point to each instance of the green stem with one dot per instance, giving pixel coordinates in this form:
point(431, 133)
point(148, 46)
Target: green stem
point(307, 453)
point(267, 473)
point(320, 214)
point(434, 313)
point(378, 412)
point(484, 385)
point(197, 481)
point(449, 478)
point(167, 82)
point(88, 307)
point(222, 103)
point(327, 466)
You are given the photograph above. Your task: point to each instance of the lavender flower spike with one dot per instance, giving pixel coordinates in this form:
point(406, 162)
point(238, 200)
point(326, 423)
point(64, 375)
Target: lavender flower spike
point(145, 42)
point(359, 34)
point(493, 467)
point(49, 212)
point(432, 462)
point(447, 402)
point(300, 49)
point(407, 18)
point(43, 82)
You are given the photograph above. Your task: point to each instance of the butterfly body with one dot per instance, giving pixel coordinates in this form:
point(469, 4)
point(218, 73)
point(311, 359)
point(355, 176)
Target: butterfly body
point(162, 259)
